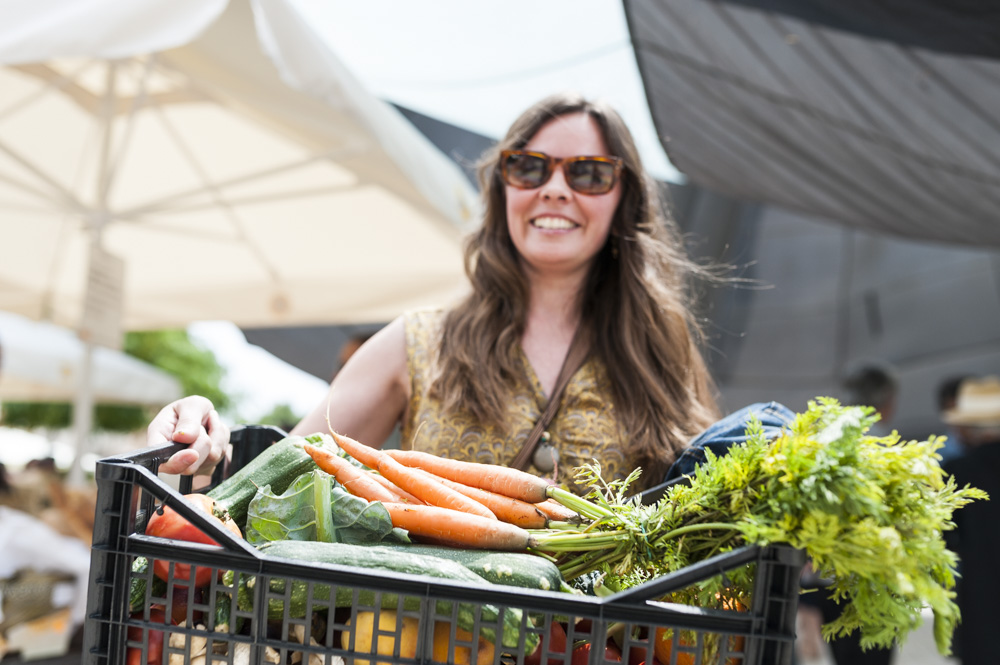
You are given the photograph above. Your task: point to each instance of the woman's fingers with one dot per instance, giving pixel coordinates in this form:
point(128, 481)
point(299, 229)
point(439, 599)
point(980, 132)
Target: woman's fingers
point(191, 420)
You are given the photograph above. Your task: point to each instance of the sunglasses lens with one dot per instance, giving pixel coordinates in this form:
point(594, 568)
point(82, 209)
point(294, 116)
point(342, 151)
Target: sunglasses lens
point(525, 171)
point(590, 176)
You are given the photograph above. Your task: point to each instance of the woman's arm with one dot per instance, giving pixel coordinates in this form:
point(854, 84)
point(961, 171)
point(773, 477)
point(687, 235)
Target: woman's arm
point(366, 400)
point(369, 394)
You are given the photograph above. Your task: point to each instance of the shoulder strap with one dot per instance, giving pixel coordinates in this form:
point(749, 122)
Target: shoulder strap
point(577, 353)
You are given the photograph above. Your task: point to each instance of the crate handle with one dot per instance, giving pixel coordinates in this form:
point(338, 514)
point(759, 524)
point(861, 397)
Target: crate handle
point(166, 494)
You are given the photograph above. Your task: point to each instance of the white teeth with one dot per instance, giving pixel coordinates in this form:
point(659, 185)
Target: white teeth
point(552, 223)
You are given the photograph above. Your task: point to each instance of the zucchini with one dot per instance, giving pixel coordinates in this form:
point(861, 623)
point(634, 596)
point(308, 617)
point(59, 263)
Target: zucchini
point(519, 569)
point(389, 560)
point(137, 596)
point(224, 603)
point(278, 466)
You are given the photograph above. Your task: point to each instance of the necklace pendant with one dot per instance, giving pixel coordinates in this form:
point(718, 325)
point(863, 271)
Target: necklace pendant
point(546, 456)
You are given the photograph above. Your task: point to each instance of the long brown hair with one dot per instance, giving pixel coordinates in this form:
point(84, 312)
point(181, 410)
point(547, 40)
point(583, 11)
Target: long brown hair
point(635, 306)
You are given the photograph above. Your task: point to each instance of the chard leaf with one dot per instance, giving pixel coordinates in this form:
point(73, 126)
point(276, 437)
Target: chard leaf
point(315, 508)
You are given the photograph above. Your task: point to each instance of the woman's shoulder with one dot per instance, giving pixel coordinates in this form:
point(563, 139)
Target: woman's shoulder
point(427, 316)
point(422, 330)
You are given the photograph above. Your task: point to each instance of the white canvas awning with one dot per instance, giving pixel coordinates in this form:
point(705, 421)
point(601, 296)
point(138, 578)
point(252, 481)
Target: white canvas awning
point(877, 115)
point(243, 174)
point(41, 362)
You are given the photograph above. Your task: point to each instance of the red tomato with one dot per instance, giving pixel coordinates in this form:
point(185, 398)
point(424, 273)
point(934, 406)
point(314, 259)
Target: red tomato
point(154, 640)
point(179, 605)
point(168, 523)
point(555, 647)
point(636, 655)
point(581, 654)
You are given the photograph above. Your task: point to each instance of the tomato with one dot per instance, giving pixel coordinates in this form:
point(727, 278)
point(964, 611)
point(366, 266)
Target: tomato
point(581, 654)
point(664, 647)
point(154, 640)
point(168, 523)
point(636, 655)
point(179, 605)
point(555, 647)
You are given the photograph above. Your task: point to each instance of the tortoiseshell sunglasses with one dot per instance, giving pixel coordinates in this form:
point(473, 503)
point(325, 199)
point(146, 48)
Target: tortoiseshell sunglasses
point(586, 174)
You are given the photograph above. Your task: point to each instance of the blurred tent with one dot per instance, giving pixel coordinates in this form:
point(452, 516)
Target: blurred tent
point(879, 114)
point(165, 161)
point(42, 362)
point(848, 153)
point(241, 175)
point(824, 299)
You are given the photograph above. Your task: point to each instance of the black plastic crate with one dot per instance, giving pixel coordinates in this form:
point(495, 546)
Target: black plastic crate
point(129, 490)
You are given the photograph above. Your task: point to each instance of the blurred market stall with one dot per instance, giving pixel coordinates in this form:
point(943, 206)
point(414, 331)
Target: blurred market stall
point(44, 362)
point(163, 162)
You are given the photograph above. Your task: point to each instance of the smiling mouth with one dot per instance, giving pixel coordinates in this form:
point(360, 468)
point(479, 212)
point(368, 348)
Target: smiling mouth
point(554, 223)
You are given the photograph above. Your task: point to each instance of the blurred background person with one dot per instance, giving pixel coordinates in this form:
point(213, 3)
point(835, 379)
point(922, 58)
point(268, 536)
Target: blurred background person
point(947, 398)
point(874, 385)
point(976, 539)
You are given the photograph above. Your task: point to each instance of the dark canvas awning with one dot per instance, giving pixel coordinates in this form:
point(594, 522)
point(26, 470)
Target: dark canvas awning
point(880, 115)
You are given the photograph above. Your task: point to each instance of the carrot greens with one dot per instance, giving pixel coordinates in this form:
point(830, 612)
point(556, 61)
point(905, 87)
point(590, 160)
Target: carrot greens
point(869, 511)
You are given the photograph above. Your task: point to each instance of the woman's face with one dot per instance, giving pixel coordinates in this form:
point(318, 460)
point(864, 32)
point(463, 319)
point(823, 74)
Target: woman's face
point(554, 228)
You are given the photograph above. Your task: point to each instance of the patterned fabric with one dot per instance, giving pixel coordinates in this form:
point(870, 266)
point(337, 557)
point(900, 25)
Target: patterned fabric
point(583, 429)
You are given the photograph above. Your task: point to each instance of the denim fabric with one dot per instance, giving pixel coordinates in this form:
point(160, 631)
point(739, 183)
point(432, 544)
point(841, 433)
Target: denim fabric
point(731, 429)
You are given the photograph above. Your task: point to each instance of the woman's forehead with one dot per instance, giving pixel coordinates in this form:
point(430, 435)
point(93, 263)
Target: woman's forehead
point(568, 135)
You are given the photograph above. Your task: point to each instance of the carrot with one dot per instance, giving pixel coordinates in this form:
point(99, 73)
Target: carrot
point(507, 509)
point(403, 496)
point(459, 529)
point(357, 482)
point(426, 489)
point(557, 512)
point(491, 477)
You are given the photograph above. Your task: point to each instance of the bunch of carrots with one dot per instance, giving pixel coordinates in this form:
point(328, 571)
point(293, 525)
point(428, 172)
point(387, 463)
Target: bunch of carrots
point(463, 504)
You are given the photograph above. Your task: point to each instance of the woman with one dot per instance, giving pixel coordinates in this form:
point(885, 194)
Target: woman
point(573, 242)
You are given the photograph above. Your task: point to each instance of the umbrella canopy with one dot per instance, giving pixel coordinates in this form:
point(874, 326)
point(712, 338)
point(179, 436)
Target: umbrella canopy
point(879, 115)
point(162, 162)
point(44, 362)
point(219, 189)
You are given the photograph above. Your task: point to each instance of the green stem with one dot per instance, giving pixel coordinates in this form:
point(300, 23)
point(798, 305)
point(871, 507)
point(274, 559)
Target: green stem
point(692, 528)
point(568, 542)
point(578, 503)
point(582, 565)
point(322, 485)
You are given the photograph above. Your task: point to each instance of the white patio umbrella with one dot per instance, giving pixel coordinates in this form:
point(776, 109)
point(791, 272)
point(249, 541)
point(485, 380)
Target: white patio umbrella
point(173, 170)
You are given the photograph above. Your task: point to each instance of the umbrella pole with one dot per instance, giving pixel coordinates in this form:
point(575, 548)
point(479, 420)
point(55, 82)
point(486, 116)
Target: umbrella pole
point(83, 417)
point(83, 404)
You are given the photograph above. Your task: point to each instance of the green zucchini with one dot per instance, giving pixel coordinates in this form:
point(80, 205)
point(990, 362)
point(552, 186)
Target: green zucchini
point(390, 561)
point(278, 466)
point(137, 596)
point(224, 603)
point(519, 569)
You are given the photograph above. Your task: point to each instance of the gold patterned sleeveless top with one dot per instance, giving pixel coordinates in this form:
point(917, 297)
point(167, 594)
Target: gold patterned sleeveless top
point(584, 428)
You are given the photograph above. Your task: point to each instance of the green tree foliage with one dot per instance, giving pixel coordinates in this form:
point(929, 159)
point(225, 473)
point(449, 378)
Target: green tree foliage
point(280, 416)
point(171, 350)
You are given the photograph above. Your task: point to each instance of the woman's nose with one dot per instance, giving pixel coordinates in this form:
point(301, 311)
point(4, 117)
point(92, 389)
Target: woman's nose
point(556, 187)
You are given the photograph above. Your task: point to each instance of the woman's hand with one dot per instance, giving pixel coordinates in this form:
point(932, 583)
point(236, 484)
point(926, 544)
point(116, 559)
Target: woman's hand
point(194, 421)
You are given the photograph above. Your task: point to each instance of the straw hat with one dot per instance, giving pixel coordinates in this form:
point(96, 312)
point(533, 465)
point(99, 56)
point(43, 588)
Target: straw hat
point(977, 404)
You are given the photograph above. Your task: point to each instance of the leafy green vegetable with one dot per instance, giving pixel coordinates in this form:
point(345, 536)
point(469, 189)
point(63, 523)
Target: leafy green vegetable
point(869, 511)
point(315, 507)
